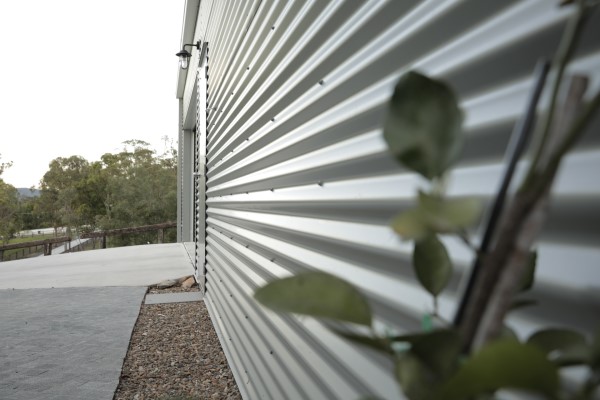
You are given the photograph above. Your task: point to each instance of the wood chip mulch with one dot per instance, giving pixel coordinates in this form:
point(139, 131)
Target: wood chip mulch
point(174, 354)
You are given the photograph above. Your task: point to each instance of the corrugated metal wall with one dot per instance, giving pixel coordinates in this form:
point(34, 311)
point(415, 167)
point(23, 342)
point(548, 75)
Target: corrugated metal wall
point(298, 177)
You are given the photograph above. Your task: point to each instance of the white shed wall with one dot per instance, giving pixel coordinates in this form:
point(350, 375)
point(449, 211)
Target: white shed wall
point(298, 177)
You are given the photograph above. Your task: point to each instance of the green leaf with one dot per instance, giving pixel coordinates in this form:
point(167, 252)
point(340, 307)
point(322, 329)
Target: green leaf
point(576, 355)
point(437, 350)
point(565, 2)
point(432, 264)
point(563, 346)
point(410, 224)
point(555, 339)
point(316, 294)
point(595, 351)
point(416, 380)
point(435, 214)
point(529, 273)
point(508, 333)
point(522, 303)
point(379, 344)
point(423, 125)
point(503, 364)
point(449, 215)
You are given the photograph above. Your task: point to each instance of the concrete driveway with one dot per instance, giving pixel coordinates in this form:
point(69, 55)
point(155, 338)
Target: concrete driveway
point(66, 320)
point(122, 266)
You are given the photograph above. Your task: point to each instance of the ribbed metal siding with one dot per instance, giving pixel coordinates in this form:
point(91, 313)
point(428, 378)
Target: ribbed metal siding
point(200, 174)
point(298, 175)
point(198, 204)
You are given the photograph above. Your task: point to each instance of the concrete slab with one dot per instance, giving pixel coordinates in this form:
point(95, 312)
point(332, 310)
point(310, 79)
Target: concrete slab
point(190, 247)
point(67, 246)
point(65, 343)
point(124, 266)
point(161, 298)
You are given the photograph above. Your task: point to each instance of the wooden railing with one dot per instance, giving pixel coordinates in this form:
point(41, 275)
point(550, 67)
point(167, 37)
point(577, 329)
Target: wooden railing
point(138, 229)
point(46, 243)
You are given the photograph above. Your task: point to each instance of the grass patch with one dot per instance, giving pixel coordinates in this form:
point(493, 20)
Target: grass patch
point(16, 254)
point(31, 238)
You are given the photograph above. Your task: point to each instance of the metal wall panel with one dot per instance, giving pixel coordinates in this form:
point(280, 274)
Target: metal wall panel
point(200, 172)
point(298, 177)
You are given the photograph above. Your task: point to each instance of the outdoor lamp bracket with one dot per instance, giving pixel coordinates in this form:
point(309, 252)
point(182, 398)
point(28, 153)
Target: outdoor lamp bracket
point(184, 55)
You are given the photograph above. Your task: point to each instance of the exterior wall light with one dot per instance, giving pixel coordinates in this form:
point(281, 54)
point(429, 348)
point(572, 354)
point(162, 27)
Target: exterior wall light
point(184, 55)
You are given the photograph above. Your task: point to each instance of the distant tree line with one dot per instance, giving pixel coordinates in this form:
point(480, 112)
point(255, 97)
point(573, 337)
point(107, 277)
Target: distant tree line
point(9, 206)
point(134, 187)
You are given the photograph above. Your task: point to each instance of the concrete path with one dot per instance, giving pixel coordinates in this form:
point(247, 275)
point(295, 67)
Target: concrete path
point(65, 343)
point(122, 266)
point(65, 330)
point(65, 247)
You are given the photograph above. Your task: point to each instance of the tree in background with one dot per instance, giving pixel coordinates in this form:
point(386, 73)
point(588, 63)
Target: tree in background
point(4, 166)
point(131, 188)
point(141, 188)
point(29, 217)
point(9, 206)
point(60, 191)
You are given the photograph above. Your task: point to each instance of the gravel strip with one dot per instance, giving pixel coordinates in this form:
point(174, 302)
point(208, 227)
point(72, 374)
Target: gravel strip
point(175, 354)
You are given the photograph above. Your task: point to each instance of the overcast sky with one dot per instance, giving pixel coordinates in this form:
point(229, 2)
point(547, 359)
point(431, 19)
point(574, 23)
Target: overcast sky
point(78, 77)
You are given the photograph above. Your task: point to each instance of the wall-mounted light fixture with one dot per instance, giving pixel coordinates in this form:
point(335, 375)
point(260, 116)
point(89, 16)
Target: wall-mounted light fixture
point(184, 55)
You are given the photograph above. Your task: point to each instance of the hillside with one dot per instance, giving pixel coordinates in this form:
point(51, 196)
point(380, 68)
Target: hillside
point(26, 192)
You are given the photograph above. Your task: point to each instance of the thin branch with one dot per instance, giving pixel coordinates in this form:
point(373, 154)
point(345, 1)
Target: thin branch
point(565, 52)
point(532, 201)
point(528, 202)
point(576, 131)
point(464, 237)
point(516, 147)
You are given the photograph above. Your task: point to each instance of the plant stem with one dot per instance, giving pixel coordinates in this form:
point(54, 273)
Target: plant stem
point(524, 217)
point(564, 54)
point(529, 214)
point(575, 132)
point(519, 139)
